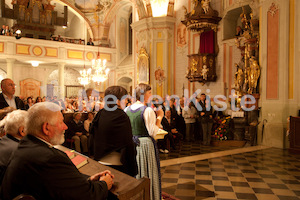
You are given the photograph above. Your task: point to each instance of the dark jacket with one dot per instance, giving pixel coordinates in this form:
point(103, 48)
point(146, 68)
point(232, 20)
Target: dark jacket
point(4, 104)
point(111, 131)
point(168, 126)
point(208, 114)
point(47, 173)
point(73, 128)
point(8, 145)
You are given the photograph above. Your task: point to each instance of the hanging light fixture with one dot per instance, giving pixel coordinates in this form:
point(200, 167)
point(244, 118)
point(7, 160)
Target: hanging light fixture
point(98, 73)
point(99, 66)
point(85, 74)
point(100, 70)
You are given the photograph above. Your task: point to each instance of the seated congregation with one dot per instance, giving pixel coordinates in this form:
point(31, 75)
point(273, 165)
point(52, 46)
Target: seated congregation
point(120, 135)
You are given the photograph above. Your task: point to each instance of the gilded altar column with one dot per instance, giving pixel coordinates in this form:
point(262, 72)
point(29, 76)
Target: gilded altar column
point(9, 68)
point(61, 82)
point(156, 36)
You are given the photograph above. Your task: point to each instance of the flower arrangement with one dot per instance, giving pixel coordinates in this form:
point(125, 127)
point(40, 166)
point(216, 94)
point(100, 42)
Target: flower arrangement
point(222, 130)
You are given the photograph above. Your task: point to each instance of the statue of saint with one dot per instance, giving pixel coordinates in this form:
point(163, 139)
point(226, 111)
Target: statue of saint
point(254, 73)
point(238, 78)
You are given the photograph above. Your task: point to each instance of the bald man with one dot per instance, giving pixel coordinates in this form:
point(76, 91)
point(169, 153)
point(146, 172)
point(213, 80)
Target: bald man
point(7, 97)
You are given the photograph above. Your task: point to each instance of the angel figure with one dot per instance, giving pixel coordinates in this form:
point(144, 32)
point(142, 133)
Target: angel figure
point(205, 5)
point(204, 72)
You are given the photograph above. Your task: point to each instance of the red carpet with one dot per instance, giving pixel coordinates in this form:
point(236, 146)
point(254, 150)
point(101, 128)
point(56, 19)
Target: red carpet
point(166, 196)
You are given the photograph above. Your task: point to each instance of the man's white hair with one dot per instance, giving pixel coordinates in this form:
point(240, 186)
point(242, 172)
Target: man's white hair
point(15, 120)
point(40, 113)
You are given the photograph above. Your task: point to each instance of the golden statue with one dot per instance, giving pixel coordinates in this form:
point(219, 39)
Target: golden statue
point(194, 66)
point(205, 5)
point(195, 3)
point(254, 73)
point(238, 78)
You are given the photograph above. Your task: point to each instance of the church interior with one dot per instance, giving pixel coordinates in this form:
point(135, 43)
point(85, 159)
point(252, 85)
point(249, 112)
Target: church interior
point(227, 49)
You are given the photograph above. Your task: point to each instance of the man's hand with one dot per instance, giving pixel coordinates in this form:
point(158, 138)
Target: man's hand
point(202, 113)
point(106, 176)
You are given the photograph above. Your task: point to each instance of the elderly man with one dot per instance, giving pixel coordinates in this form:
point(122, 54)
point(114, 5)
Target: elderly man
point(14, 129)
point(7, 97)
point(39, 169)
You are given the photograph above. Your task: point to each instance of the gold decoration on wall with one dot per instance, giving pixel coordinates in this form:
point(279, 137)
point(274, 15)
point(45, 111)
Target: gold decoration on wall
point(247, 73)
point(143, 67)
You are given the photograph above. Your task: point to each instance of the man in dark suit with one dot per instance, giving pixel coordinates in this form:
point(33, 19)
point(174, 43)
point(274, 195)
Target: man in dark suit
point(206, 119)
point(14, 129)
point(7, 98)
point(90, 42)
point(168, 124)
point(2, 30)
point(40, 170)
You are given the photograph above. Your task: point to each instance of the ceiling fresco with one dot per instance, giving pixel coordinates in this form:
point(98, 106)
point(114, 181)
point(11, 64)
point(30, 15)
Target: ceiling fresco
point(94, 10)
point(90, 6)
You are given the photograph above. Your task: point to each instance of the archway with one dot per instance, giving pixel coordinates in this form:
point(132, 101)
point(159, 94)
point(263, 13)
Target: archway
point(126, 82)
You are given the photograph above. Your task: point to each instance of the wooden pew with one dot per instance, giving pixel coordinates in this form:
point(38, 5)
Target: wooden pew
point(125, 187)
point(294, 134)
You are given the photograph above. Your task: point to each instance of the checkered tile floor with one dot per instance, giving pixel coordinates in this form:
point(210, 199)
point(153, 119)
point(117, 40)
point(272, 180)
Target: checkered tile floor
point(191, 149)
point(265, 174)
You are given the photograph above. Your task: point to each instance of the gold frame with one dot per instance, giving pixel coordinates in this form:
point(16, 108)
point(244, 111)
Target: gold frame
point(143, 67)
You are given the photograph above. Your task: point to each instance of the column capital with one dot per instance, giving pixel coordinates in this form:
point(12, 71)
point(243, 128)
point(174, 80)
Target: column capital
point(10, 60)
point(61, 64)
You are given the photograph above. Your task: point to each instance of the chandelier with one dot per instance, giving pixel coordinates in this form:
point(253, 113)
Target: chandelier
point(85, 76)
point(100, 73)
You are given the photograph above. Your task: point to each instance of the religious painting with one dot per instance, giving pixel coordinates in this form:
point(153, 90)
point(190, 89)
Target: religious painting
point(181, 35)
point(143, 67)
point(30, 88)
point(123, 37)
point(159, 75)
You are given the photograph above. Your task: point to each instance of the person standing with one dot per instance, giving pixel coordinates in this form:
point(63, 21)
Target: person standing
point(7, 98)
point(145, 125)
point(189, 114)
point(206, 119)
point(112, 134)
point(180, 123)
point(90, 42)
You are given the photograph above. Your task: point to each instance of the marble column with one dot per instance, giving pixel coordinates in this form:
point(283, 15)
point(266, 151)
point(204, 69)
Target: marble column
point(9, 68)
point(61, 82)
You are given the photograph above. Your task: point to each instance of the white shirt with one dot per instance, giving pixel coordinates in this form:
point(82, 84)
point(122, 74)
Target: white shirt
point(86, 124)
point(10, 102)
point(149, 117)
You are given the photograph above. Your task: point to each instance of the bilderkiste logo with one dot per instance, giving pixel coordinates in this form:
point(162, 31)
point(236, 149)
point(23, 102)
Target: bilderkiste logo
point(156, 101)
